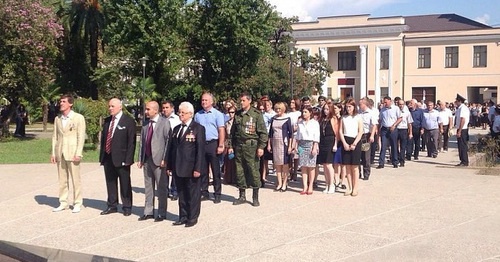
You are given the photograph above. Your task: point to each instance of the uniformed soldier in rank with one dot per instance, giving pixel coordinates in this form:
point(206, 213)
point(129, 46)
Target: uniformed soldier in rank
point(248, 138)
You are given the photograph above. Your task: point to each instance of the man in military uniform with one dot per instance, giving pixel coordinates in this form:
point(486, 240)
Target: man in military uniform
point(248, 138)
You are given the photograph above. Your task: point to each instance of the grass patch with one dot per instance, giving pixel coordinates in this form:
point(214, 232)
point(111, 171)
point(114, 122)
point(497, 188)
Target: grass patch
point(35, 150)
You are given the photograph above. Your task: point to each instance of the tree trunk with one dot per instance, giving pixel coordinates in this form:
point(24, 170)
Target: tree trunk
point(45, 118)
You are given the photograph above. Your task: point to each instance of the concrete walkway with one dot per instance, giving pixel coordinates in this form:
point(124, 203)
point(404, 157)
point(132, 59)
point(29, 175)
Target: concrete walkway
point(426, 211)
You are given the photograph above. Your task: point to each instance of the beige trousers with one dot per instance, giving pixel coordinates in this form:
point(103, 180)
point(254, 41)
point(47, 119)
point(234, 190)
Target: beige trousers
point(67, 170)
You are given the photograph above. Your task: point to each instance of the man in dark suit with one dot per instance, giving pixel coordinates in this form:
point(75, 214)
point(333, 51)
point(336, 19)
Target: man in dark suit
point(186, 160)
point(117, 155)
point(153, 157)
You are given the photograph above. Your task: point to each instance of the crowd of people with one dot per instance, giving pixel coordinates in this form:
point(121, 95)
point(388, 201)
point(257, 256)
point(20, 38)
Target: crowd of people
point(181, 153)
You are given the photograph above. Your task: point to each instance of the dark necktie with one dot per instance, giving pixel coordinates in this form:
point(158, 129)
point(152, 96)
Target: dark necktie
point(181, 131)
point(109, 136)
point(149, 136)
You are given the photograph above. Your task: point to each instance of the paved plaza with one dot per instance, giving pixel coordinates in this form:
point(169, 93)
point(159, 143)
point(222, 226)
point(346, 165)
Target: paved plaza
point(426, 211)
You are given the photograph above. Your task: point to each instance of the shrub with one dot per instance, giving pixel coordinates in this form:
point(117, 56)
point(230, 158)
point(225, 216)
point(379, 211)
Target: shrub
point(94, 112)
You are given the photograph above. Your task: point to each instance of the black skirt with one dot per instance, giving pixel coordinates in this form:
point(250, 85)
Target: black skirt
point(351, 157)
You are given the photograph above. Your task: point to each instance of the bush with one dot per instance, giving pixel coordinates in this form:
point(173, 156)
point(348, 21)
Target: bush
point(94, 112)
point(489, 146)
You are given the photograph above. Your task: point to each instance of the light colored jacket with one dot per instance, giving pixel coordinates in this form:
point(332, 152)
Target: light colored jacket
point(68, 142)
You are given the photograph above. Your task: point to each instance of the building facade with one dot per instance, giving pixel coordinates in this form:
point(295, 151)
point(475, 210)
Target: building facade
point(429, 57)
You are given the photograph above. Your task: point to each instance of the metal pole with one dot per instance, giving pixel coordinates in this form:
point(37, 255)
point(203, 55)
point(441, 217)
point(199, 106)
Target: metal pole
point(291, 73)
point(143, 91)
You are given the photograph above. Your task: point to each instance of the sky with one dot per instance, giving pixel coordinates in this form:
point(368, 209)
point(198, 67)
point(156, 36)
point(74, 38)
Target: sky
point(484, 11)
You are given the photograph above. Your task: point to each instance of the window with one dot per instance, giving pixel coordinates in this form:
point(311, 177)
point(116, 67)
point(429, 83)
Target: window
point(347, 60)
point(480, 53)
point(329, 92)
point(424, 57)
point(451, 58)
point(384, 59)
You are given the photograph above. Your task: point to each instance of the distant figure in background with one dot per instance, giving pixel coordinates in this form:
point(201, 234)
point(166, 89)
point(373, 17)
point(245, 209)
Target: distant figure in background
point(21, 121)
point(67, 150)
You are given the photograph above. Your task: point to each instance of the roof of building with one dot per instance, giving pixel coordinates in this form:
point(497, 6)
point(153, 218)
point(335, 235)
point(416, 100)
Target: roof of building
point(441, 22)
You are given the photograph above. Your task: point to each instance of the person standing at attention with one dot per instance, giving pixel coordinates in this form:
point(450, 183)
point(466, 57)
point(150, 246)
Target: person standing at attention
point(117, 155)
point(153, 157)
point(350, 136)
point(68, 139)
point(248, 140)
point(390, 117)
point(168, 111)
point(213, 121)
point(187, 162)
point(461, 124)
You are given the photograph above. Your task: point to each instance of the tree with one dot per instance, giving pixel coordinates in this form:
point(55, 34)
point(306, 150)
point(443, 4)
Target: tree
point(137, 28)
point(29, 48)
point(228, 38)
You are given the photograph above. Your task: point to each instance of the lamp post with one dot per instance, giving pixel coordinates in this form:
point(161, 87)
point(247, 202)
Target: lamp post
point(291, 46)
point(143, 60)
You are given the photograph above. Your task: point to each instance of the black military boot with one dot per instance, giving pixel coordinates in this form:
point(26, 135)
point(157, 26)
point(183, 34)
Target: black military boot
point(242, 198)
point(255, 197)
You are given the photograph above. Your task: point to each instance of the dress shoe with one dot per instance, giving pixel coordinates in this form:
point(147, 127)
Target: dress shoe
point(179, 223)
point(303, 193)
point(402, 164)
point(145, 217)
point(380, 166)
point(59, 208)
point(217, 200)
point(159, 218)
point(462, 164)
point(76, 209)
point(174, 198)
point(395, 166)
point(127, 212)
point(205, 198)
point(191, 223)
point(354, 194)
point(108, 211)
point(416, 158)
point(366, 178)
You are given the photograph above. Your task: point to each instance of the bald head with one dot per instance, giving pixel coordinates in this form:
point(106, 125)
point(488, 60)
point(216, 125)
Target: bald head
point(114, 106)
point(152, 109)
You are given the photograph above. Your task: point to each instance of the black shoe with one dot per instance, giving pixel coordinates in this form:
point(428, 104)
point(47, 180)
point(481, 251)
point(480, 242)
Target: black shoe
point(395, 166)
point(416, 158)
point(366, 178)
point(145, 217)
point(191, 223)
point(217, 200)
point(462, 164)
point(408, 158)
point(127, 212)
point(434, 156)
point(159, 218)
point(402, 165)
point(380, 166)
point(205, 198)
point(174, 198)
point(108, 211)
point(180, 222)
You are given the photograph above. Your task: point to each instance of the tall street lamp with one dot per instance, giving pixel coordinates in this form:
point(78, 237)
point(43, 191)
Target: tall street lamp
point(291, 46)
point(143, 60)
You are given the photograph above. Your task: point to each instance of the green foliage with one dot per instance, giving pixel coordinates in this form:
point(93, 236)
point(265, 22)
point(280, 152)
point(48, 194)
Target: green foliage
point(154, 29)
point(28, 47)
point(93, 111)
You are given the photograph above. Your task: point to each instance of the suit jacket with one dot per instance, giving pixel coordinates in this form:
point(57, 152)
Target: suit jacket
point(122, 142)
point(159, 141)
point(68, 141)
point(187, 153)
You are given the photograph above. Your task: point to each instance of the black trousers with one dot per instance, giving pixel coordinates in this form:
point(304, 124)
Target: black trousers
point(413, 145)
point(444, 138)
point(374, 148)
point(403, 143)
point(212, 160)
point(462, 146)
point(115, 175)
point(188, 190)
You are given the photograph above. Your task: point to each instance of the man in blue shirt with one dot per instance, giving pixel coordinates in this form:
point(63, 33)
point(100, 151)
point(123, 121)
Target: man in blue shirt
point(418, 117)
point(390, 117)
point(213, 121)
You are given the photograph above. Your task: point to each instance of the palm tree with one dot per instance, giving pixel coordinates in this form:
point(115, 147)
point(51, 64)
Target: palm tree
point(87, 21)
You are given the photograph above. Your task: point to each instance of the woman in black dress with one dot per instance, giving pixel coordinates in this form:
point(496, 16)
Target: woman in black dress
point(326, 144)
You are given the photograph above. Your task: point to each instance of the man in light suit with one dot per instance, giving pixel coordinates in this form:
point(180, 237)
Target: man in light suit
point(153, 157)
point(186, 161)
point(67, 147)
point(117, 155)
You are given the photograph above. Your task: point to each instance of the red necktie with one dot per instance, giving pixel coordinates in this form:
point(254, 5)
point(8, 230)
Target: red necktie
point(110, 135)
point(149, 136)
